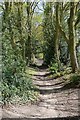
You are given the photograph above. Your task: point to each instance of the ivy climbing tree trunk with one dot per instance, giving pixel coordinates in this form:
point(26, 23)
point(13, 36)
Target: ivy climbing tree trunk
point(7, 23)
point(20, 28)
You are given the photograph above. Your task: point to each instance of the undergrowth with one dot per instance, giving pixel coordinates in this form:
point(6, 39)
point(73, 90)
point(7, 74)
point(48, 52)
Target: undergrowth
point(75, 80)
point(16, 85)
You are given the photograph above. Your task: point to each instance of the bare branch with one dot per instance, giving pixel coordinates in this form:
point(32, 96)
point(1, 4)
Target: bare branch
point(36, 3)
point(63, 33)
point(39, 8)
point(66, 6)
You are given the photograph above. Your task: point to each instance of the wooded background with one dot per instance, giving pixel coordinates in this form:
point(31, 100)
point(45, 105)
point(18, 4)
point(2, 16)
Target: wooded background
point(34, 30)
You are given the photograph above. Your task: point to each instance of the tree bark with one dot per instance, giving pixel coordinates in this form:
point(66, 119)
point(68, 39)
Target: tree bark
point(72, 44)
point(57, 36)
point(20, 28)
point(28, 50)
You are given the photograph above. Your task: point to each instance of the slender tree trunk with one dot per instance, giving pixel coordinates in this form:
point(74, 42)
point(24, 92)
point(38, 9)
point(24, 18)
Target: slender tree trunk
point(72, 44)
point(28, 50)
point(57, 36)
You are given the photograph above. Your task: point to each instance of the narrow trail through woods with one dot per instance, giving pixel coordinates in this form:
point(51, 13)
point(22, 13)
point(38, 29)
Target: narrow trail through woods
point(53, 100)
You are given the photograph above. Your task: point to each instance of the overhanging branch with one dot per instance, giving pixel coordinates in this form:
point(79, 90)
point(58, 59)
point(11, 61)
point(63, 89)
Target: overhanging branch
point(63, 33)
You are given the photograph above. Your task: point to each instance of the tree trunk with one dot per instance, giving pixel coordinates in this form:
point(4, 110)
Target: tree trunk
point(20, 29)
point(57, 36)
point(28, 46)
point(72, 44)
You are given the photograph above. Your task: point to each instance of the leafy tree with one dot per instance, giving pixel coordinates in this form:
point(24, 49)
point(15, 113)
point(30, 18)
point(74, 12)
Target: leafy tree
point(71, 39)
point(15, 81)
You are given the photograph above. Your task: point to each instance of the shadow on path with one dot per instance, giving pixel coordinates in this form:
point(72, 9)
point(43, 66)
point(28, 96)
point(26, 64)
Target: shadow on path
point(63, 118)
point(57, 100)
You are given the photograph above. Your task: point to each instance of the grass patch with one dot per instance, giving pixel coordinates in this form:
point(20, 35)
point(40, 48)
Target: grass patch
point(31, 71)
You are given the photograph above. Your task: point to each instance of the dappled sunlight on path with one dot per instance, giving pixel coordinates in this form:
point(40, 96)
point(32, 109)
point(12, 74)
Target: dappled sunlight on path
point(53, 101)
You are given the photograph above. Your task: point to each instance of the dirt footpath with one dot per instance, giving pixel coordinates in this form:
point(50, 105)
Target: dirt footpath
point(54, 102)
